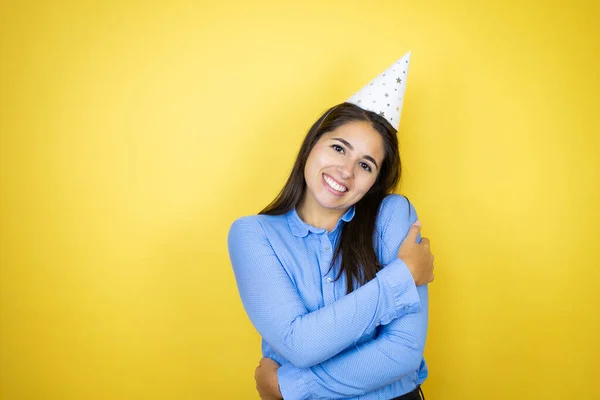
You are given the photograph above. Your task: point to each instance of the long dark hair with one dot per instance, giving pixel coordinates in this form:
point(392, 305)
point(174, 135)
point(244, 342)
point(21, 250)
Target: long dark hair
point(356, 248)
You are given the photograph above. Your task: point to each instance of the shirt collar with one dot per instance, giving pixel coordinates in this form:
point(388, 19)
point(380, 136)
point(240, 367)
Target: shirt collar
point(300, 228)
point(347, 217)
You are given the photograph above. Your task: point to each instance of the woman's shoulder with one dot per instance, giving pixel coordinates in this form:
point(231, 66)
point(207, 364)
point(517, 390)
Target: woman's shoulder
point(395, 206)
point(257, 223)
point(395, 203)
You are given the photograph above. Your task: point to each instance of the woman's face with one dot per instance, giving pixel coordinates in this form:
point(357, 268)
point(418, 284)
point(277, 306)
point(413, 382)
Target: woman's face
point(343, 165)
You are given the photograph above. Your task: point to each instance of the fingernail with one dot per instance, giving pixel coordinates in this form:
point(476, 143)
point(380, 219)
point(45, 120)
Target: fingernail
point(418, 223)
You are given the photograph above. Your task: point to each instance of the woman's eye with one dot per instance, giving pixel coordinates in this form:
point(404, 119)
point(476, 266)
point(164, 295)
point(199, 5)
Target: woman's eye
point(365, 166)
point(338, 148)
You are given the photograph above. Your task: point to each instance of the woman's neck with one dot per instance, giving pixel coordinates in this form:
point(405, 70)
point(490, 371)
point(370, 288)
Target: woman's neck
point(315, 215)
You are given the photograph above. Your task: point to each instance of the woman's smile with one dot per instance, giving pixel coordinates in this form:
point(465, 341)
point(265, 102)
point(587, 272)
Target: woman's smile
point(334, 186)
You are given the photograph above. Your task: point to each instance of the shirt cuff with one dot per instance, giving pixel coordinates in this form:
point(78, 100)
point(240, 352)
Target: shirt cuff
point(291, 383)
point(397, 284)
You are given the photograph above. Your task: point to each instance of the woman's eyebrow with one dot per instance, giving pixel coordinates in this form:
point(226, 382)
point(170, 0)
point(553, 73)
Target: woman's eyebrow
point(367, 157)
point(345, 142)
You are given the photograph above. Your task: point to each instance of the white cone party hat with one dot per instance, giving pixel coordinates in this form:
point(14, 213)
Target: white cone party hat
point(384, 95)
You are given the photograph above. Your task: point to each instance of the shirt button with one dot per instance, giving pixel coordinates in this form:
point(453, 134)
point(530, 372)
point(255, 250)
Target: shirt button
point(326, 248)
point(329, 280)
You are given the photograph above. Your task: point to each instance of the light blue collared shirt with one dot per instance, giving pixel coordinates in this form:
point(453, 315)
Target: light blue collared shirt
point(331, 345)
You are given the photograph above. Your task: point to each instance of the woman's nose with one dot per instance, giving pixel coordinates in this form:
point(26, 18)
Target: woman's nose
point(345, 170)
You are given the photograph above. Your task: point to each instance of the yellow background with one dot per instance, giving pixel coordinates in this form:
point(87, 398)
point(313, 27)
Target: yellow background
point(134, 133)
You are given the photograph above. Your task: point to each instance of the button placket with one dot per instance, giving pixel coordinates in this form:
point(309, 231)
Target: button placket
point(326, 255)
point(327, 248)
point(326, 243)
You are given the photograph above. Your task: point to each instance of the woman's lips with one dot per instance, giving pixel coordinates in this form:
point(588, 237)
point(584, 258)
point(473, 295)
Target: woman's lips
point(335, 184)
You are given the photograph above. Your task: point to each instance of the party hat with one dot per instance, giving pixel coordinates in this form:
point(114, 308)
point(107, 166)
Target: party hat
point(385, 94)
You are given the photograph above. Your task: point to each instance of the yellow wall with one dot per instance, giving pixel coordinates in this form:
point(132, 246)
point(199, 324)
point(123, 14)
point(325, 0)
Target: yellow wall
point(133, 134)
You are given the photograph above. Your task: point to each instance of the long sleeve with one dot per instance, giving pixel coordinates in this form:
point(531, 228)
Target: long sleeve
point(277, 311)
point(397, 350)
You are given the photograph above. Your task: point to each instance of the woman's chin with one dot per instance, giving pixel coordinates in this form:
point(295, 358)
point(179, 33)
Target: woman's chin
point(333, 202)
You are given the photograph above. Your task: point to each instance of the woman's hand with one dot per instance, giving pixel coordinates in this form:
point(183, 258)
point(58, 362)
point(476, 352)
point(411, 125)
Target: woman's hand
point(417, 256)
point(266, 380)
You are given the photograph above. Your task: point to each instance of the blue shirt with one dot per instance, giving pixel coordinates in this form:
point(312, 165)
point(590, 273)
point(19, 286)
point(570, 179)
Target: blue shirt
point(331, 345)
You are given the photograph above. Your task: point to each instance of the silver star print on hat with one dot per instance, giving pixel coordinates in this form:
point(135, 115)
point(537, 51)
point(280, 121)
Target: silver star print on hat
point(384, 94)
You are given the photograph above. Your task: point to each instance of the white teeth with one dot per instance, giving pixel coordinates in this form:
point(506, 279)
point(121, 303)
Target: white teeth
point(334, 185)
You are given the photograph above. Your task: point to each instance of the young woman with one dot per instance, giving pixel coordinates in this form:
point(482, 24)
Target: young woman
point(332, 274)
